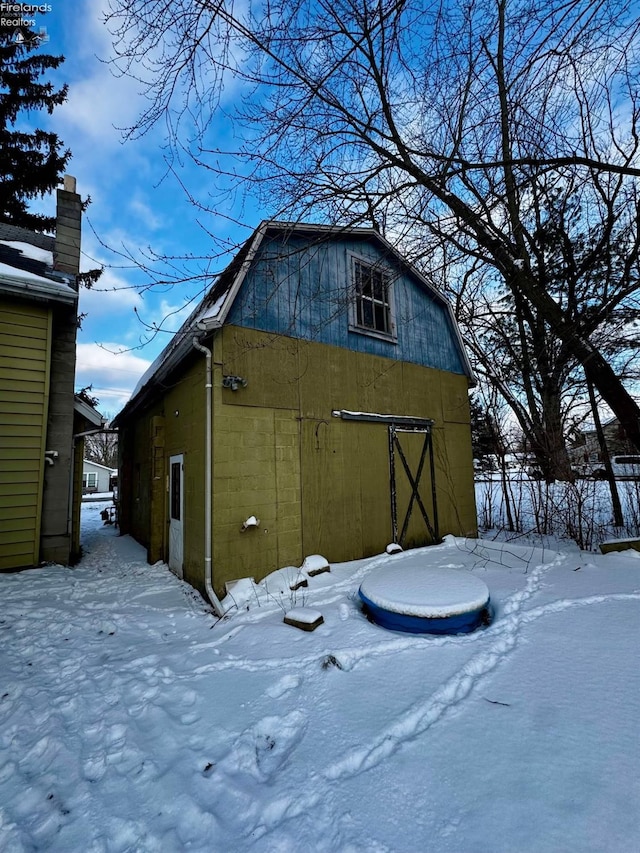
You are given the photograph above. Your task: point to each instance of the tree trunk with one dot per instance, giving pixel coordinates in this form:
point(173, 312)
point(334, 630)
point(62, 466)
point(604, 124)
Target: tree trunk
point(618, 518)
point(521, 282)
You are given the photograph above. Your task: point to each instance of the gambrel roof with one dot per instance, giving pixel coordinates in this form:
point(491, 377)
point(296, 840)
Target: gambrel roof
point(215, 308)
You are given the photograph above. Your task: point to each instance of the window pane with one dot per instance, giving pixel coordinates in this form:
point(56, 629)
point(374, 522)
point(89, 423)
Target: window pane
point(378, 286)
point(175, 490)
point(372, 298)
point(366, 284)
point(381, 318)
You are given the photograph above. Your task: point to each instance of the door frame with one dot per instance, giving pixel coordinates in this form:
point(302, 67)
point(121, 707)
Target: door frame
point(175, 514)
point(414, 481)
point(397, 424)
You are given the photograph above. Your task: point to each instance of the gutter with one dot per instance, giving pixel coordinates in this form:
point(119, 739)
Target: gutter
point(208, 490)
point(38, 289)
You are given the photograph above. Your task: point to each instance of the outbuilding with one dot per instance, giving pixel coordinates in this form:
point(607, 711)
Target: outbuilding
point(316, 401)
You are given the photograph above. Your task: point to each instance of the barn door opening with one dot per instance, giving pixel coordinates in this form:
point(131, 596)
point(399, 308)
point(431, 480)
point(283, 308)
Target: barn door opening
point(176, 513)
point(399, 464)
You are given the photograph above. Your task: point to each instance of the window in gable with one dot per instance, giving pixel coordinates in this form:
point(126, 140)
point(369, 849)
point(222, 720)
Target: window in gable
point(372, 305)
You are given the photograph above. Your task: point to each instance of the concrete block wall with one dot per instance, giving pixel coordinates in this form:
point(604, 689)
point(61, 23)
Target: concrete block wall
point(56, 543)
point(68, 228)
point(57, 529)
point(256, 472)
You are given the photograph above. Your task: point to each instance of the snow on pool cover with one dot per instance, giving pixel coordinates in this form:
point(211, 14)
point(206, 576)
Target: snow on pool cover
point(422, 600)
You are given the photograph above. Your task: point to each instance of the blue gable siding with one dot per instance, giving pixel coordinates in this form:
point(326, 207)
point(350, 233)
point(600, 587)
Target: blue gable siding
point(300, 287)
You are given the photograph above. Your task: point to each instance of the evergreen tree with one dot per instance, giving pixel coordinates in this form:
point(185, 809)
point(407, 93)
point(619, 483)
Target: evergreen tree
point(485, 432)
point(32, 161)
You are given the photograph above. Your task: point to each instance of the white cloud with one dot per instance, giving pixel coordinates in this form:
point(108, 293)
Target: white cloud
point(99, 102)
point(113, 374)
point(99, 107)
point(169, 316)
point(145, 214)
point(110, 295)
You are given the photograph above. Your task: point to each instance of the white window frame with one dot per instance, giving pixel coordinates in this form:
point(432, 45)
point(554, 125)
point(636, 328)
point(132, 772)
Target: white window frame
point(87, 480)
point(356, 323)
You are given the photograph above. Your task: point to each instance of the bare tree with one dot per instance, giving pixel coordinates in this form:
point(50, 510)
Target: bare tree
point(102, 448)
point(440, 118)
point(589, 263)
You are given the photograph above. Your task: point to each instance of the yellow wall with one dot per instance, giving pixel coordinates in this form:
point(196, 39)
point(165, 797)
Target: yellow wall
point(339, 470)
point(318, 484)
point(25, 339)
point(173, 424)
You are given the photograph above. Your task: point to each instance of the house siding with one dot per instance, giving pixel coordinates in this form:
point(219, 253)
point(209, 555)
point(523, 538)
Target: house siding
point(256, 472)
point(25, 343)
point(173, 424)
point(103, 474)
point(301, 289)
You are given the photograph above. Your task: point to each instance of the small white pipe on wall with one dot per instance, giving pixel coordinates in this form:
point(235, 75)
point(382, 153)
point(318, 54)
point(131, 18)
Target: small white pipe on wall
point(208, 490)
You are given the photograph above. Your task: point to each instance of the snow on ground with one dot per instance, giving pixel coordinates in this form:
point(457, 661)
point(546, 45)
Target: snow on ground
point(131, 719)
point(581, 511)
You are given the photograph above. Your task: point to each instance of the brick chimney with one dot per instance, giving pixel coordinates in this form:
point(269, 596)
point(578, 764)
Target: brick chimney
point(66, 256)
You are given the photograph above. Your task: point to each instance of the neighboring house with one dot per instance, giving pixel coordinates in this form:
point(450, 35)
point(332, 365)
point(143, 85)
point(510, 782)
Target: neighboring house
point(339, 413)
point(40, 417)
point(587, 448)
point(97, 478)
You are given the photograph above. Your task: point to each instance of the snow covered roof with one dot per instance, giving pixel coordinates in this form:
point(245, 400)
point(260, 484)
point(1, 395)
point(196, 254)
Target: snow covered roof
point(35, 253)
point(208, 315)
point(87, 412)
point(212, 311)
point(86, 462)
point(27, 267)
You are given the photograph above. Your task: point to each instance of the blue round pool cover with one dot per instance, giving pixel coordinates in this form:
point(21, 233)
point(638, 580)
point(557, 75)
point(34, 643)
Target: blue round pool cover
point(422, 600)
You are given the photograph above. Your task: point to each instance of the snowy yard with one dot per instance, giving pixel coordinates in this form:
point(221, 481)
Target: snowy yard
point(132, 720)
point(581, 511)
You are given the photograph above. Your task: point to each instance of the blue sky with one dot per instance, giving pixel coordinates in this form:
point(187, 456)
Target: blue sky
point(135, 206)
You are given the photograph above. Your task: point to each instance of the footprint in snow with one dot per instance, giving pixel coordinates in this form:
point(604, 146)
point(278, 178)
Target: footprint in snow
point(180, 704)
point(264, 748)
point(284, 685)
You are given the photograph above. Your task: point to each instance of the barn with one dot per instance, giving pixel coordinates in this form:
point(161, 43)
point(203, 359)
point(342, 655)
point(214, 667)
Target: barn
point(315, 401)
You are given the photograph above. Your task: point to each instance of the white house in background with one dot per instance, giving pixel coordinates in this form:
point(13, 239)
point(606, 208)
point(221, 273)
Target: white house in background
point(97, 478)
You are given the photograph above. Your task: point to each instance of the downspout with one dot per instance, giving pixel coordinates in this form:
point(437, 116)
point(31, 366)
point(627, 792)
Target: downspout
point(208, 491)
